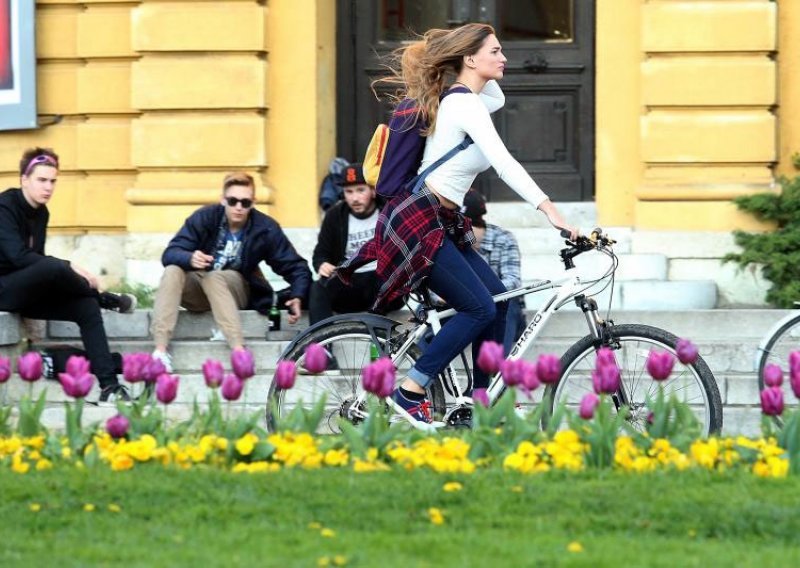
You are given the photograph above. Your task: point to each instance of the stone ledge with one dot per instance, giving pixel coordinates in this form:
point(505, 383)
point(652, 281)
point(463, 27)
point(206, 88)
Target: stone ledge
point(9, 329)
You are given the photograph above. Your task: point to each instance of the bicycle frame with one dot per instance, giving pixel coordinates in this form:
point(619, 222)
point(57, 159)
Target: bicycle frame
point(567, 288)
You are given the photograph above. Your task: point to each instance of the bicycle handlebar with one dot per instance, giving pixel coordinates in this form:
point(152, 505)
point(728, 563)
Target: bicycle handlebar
point(595, 240)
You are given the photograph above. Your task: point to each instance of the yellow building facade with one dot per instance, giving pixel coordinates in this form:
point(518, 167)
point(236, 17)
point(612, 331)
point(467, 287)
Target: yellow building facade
point(149, 103)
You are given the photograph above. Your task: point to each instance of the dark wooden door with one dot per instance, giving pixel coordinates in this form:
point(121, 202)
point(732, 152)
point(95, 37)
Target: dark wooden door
point(548, 119)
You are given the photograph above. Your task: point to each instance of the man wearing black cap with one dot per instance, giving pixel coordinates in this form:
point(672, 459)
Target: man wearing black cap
point(346, 226)
point(500, 249)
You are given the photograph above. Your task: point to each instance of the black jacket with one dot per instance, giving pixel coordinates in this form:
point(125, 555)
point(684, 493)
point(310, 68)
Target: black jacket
point(262, 239)
point(332, 239)
point(23, 231)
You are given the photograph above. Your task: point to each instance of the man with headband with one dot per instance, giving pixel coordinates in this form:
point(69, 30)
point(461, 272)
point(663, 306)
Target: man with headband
point(212, 264)
point(44, 287)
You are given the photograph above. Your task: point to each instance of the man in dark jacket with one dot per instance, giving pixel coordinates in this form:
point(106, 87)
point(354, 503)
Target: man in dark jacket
point(212, 264)
point(44, 287)
point(346, 226)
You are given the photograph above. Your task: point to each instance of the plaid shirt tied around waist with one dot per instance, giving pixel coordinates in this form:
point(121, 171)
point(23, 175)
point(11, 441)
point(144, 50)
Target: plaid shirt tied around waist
point(408, 234)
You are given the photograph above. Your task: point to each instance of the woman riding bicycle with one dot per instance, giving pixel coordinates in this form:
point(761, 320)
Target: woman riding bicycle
point(424, 235)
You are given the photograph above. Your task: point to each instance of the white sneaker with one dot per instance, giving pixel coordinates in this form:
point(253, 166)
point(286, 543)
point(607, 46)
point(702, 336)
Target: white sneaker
point(165, 358)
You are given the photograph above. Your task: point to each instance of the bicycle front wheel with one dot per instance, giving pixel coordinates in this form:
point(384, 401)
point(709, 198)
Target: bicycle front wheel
point(693, 384)
point(348, 346)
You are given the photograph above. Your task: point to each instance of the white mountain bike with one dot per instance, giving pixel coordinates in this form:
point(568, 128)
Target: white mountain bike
point(351, 341)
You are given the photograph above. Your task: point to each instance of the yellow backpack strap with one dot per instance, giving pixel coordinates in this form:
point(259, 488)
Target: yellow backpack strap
point(375, 153)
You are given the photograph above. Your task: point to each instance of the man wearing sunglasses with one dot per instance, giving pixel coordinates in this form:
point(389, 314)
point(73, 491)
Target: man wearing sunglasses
point(48, 288)
point(212, 264)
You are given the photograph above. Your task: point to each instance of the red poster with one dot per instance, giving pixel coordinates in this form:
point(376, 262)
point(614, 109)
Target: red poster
point(6, 75)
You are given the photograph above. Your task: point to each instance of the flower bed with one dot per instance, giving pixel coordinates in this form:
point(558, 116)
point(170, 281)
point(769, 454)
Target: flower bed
point(596, 437)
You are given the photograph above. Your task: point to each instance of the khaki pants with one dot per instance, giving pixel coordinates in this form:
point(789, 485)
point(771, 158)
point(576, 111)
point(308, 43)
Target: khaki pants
point(224, 292)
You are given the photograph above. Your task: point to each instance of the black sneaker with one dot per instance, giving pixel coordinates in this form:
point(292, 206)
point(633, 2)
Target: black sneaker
point(113, 393)
point(122, 303)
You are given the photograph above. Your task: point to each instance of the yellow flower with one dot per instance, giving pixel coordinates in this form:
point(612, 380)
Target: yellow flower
point(574, 546)
point(452, 486)
point(35, 507)
point(114, 508)
point(66, 453)
point(121, 462)
point(19, 466)
point(246, 444)
point(327, 533)
point(436, 515)
point(339, 560)
point(336, 458)
point(44, 464)
point(314, 525)
point(323, 561)
point(88, 507)
point(517, 489)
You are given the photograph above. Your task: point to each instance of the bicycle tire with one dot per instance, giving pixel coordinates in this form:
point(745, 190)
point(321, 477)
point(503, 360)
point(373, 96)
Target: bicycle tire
point(777, 349)
point(695, 382)
point(349, 343)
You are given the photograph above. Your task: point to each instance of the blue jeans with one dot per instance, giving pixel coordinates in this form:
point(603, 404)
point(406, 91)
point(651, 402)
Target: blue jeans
point(465, 281)
point(515, 324)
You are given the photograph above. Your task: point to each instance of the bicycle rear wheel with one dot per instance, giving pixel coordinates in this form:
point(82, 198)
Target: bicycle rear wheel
point(348, 345)
point(776, 351)
point(693, 384)
point(783, 342)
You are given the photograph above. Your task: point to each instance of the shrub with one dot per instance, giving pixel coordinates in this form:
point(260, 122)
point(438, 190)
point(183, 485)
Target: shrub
point(776, 252)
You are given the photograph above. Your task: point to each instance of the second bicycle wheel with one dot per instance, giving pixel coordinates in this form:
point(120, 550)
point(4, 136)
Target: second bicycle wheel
point(693, 384)
point(348, 346)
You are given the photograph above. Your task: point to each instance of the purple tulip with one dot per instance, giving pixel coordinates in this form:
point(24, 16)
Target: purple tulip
point(316, 359)
point(659, 364)
point(605, 379)
point(589, 403)
point(77, 366)
point(213, 373)
point(117, 426)
point(530, 377)
point(231, 387)
point(794, 372)
point(605, 356)
point(548, 369)
point(480, 396)
point(153, 369)
point(244, 366)
point(490, 357)
point(389, 378)
point(134, 366)
point(686, 351)
point(285, 374)
point(513, 371)
point(772, 401)
point(167, 387)
point(773, 375)
point(29, 366)
point(379, 377)
point(76, 386)
point(5, 369)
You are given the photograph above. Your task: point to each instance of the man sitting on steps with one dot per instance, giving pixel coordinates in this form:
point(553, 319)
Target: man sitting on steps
point(212, 264)
point(48, 288)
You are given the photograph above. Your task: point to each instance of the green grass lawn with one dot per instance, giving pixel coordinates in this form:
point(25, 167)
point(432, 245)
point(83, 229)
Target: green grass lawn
point(211, 518)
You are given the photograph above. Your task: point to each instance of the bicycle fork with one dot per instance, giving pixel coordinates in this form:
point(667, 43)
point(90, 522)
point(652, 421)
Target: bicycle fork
point(600, 329)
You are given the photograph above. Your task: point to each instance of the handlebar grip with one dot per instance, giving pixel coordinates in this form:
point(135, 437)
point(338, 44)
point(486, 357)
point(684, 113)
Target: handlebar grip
point(564, 233)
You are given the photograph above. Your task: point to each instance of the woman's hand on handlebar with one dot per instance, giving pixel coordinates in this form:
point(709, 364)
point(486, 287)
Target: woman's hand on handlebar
point(548, 208)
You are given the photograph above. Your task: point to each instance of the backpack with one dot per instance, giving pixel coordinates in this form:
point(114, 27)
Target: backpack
point(395, 152)
point(331, 190)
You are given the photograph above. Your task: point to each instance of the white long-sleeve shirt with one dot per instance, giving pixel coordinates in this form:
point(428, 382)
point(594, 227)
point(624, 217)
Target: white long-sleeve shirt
point(467, 113)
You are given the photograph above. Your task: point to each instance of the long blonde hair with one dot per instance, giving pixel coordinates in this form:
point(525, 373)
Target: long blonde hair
point(420, 69)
